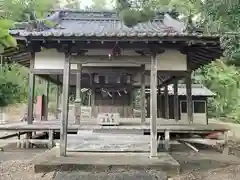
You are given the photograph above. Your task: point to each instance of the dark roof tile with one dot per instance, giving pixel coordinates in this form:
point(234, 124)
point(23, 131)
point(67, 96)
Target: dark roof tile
point(103, 24)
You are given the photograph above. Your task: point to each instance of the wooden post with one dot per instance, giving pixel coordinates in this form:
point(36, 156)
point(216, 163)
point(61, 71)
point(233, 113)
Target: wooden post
point(206, 110)
point(19, 137)
point(143, 116)
point(225, 146)
point(78, 95)
point(153, 107)
point(160, 103)
point(58, 101)
point(189, 98)
point(92, 95)
point(166, 97)
point(65, 106)
point(50, 138)
point(167, 140)
point(31, 89)
point(47, 100)
point(176, 103)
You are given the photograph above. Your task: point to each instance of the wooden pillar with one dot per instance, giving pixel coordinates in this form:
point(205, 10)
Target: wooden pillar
point(65, 106)
point(50, 139)
point(78, 95)
point(153, 106)
point(58, 101)
point(92, 95)
point(31, 89)
point(167, 140)
point(166, 102)
point(143, 116)
point(176, 103)
point(206, 110)
point(47, 101)
point(189, 98)
point(58, 98)
point(160, 104)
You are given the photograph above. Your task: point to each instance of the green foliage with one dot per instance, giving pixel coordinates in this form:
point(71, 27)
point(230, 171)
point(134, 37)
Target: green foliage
point(224, 81)
point(132, 14)
point(98, 5)
point(14, 78)
point(26, 10)
point(6, 41)
point(72, 4)
point(10, 88)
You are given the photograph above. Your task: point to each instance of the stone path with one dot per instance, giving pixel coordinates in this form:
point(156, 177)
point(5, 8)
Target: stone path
point(91, 141)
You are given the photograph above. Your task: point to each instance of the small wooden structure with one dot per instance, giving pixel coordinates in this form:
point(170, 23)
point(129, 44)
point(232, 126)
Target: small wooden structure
point(200, 95)
point(95, 50)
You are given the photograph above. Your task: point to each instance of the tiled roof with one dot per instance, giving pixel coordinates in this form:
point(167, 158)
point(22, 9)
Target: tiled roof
point(197, 90)
point(102, 24)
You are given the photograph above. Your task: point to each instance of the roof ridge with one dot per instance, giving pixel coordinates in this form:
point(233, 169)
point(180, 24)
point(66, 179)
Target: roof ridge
point(110, 14)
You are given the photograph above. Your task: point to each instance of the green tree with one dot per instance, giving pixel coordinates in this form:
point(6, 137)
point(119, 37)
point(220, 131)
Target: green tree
point(26, 10)
point(72, 4)
point(99, 4)
point(224, 81)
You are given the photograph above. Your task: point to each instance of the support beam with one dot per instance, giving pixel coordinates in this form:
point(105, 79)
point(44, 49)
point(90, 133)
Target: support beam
point(65, 106)
point(31, 89)
point(153, 106)
point(143, 116)
point(189, 98)
point(166, 104)
point(78, 95)
point(176, 102)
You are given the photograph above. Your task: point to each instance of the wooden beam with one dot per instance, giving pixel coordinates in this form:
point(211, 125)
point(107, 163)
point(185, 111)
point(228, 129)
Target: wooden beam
point(153, 107)
point(189, 98)
point(124, 42)
point(170, 80)
point(124, 59)
point(166, 98)
point(78, 95)
point(31, 89)
point(176, 102)
point(130, 70)
point(143, 98)
point(65, 106)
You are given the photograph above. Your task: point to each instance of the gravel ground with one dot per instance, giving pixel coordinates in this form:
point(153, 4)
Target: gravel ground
point(14, 165)
point(21, 170)
point(228, 173)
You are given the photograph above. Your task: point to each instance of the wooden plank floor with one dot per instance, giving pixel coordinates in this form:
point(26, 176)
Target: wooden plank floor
point(125, 124)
